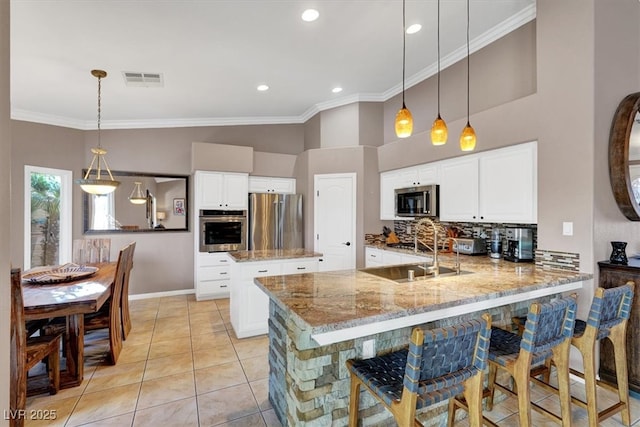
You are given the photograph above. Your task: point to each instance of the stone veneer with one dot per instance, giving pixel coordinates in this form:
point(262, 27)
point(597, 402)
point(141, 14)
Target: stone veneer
point(309, 384)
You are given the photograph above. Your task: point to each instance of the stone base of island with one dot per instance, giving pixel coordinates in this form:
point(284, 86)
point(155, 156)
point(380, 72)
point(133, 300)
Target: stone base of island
point(317, 321)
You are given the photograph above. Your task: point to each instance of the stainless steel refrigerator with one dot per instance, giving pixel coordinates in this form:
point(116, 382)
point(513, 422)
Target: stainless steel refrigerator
point(275, 221)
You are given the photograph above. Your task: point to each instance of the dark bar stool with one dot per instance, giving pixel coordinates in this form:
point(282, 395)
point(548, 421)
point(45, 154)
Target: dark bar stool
point(608, 318)
point(439, 364)
point(547, 336)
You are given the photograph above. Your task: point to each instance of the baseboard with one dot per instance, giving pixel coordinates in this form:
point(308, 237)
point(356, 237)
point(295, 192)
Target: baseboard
point(162, 294)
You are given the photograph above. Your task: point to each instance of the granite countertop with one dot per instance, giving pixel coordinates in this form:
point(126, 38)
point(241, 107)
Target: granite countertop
point(336, 304)
point(272, 254)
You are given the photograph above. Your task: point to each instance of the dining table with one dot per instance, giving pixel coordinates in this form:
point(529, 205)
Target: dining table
point(70, 299)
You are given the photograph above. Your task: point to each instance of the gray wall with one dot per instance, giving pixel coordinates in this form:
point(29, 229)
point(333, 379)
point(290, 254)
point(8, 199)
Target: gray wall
point(5, 207)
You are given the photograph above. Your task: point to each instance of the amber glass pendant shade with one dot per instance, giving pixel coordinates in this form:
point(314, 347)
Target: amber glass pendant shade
point(468, 138)
point(404, 123)
point(439, 132)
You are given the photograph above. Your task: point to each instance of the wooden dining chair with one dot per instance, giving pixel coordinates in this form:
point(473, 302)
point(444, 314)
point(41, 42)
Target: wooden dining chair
point(26, 352)
point(124, 304)
point(109, 316)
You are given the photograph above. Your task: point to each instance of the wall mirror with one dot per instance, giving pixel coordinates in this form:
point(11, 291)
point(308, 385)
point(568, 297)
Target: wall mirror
point(162, 207)
point(624, 156)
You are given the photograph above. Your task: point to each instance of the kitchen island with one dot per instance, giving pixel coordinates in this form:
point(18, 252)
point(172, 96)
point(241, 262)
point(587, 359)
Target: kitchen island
point(248, 305)
point(317, 321)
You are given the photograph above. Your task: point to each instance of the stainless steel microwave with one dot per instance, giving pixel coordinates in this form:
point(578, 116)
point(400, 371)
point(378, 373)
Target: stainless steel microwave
point(417, 201)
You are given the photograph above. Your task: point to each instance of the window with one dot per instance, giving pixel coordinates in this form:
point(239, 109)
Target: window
point(47, 226)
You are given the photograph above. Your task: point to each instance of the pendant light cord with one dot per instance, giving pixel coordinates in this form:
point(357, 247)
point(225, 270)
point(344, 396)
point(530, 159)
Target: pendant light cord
point(438, 38)
point(468, 85)
point(99, 109)
point(404, 42)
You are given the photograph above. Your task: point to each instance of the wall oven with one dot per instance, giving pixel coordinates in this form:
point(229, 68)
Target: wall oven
point(222, 231)
point(417, 201)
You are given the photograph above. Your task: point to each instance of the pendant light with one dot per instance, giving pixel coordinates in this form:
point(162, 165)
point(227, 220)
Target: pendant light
point(439, 132)
point(98, 185)
point(404, 119)
point(468, 135)
point(137, 197)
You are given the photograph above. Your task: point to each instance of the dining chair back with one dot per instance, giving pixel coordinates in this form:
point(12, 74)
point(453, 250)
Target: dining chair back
point(26, 352)
point(110, 314)
point(124, 304)
point(438, 365)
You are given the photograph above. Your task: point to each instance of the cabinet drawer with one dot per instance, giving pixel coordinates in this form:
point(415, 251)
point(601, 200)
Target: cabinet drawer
point(252, 270)
point(300, 267)
point(214, 273)
point(213, 259)
point(206, 287)
point(373, 255)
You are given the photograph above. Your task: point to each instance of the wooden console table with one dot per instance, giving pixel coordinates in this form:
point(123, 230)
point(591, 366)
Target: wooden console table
point(613, 275)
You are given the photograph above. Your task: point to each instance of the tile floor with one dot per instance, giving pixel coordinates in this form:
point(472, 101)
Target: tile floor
point(183, 366)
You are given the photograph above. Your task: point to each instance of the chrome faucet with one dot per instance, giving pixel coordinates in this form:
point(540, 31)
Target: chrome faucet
point(435, 265)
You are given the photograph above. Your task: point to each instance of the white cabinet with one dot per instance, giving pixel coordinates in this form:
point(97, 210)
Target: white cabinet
point(213, 275)
point(380, 257)
point(249, 305)
point(403, 178)
point(508, 184)
point(265, 184)
point(459, 189)
point(221, 190)
point(494, 186)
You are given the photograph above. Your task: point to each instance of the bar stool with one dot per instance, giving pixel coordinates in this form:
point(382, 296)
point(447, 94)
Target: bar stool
point(439, 364)
point(547, 336)
point(608, 318)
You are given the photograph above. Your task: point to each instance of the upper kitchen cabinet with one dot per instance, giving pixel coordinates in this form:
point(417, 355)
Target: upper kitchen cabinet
point(403, 178)
point(221, 190)
point(266, 184)
point(494, 186)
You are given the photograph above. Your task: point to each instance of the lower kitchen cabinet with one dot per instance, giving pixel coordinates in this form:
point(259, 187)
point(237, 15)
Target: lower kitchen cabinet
point(213, 275)
point(611, 276)
point(249, 305)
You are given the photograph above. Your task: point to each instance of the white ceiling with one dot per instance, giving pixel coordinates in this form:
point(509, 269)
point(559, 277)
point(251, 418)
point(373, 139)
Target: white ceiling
point(214, 53)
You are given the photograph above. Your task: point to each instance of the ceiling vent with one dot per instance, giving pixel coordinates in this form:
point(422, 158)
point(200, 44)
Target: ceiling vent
point(138, 79)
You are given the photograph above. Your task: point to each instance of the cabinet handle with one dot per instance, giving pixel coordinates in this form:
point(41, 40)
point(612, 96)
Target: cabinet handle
point(302, 268)
point(224, 260)
point(223, 286)
point(223, 273)
point(373, 256)
point(262, 271)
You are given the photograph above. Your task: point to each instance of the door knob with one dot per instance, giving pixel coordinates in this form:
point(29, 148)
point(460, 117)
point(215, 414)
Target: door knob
point(348, 243)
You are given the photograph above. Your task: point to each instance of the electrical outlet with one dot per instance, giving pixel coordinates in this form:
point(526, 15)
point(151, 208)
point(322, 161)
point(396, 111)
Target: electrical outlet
point(368, 349)
point(408, 229)
point(567, 228)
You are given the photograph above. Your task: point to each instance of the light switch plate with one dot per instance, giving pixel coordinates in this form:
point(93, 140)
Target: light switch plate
point(567, 228)
point(368, 349)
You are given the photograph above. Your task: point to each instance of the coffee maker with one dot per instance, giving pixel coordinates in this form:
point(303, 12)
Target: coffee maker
point(519, 244)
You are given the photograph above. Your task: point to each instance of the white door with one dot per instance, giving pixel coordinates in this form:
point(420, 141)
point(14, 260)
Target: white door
point(335, 220)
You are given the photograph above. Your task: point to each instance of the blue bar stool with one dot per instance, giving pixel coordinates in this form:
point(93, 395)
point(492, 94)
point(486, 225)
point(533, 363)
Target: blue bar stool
point(608, 318)
point(439, 364)
point(547, 336)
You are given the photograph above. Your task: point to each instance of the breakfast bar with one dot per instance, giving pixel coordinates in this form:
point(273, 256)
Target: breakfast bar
point(317, 321)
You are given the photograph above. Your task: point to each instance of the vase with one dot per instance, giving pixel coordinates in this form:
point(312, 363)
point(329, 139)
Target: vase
point(618, 255)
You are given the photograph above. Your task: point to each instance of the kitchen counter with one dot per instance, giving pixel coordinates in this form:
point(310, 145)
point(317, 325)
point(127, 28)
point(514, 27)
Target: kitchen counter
point(317, 321)
point(272, 254)
point(347, 304)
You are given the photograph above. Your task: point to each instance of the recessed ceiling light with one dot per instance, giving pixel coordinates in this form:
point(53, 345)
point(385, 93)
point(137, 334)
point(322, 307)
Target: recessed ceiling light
point(336, 90)
point(262, 88)
point(310, 15)
point(412, 29)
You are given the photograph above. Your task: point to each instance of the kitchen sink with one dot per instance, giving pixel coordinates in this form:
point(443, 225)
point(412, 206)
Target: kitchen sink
point(400, 273)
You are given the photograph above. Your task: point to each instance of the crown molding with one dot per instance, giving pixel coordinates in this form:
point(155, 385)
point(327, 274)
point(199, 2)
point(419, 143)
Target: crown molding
point(514, 22)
